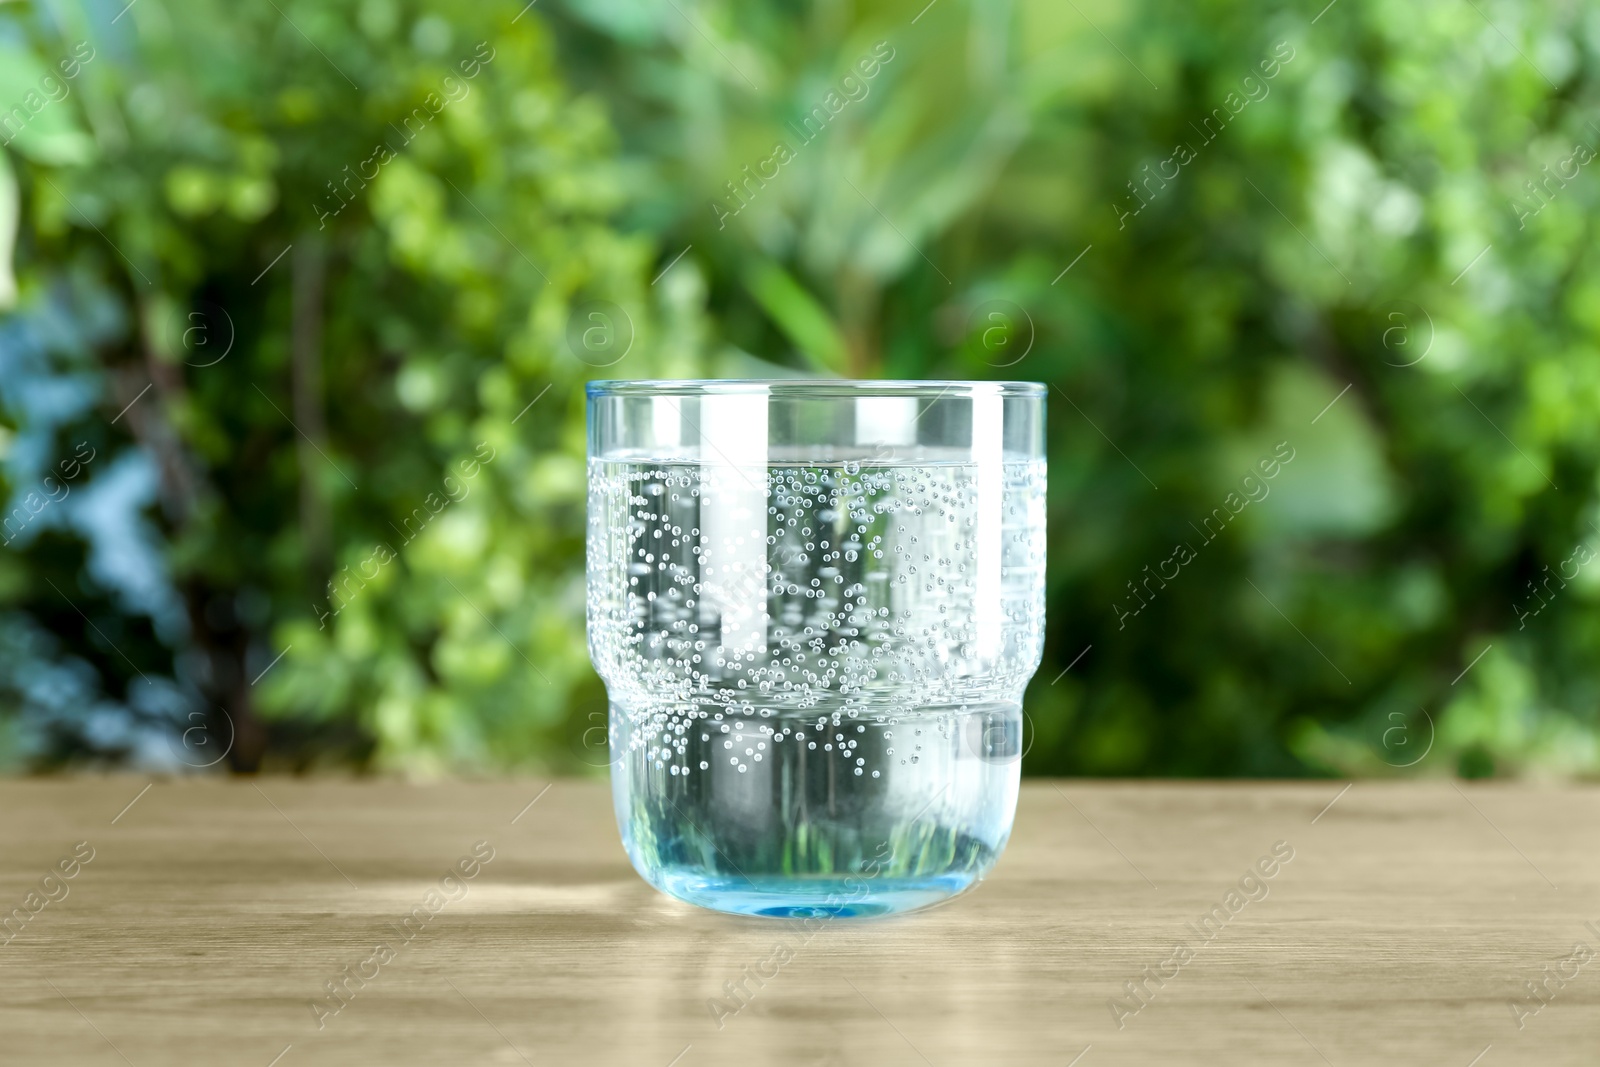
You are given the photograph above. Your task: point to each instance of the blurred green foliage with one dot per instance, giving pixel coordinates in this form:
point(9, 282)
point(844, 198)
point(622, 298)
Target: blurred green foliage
point(348, 244)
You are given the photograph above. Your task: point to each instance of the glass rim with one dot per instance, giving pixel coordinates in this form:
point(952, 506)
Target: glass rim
point(810, 387)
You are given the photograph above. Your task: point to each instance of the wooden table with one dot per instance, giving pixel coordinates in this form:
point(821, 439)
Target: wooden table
point(213, 913)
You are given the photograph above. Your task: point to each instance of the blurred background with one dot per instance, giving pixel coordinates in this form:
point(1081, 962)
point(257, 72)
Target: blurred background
point(303, 290)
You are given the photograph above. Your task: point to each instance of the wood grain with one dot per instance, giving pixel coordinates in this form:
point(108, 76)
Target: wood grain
point(213, 911)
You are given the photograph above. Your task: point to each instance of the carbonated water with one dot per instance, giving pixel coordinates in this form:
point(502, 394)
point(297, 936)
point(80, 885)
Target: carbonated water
point(815, 673)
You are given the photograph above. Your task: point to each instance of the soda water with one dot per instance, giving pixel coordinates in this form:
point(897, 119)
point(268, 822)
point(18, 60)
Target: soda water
point(815, 672)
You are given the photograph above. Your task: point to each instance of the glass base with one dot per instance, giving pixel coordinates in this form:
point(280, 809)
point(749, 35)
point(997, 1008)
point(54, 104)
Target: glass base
point(807, 898)
point(798, 814)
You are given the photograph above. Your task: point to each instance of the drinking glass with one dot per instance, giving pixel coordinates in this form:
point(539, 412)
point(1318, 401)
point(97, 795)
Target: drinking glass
point(815, 606)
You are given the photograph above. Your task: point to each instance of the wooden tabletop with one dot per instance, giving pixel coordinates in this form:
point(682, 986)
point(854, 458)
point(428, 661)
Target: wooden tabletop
point(201, 921)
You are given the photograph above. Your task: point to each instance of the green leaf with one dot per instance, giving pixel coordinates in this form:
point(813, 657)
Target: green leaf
point(35, 116)
point(799, 315)
point(9, 212)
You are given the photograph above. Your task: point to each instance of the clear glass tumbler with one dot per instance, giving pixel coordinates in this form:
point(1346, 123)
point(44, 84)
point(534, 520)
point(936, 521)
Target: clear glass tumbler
point(815, 606)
